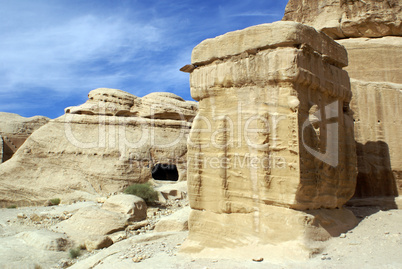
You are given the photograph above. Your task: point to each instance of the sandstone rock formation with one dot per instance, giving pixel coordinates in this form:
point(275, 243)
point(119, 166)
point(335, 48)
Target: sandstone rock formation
point(374, 59)
point(91, 225)
point(174, 191)
point(178, 221)
point(14, 130)
point(131, 205)
point(46, 240)
point(371, 31)
point(272, 144)
point(377, 109)
point(348, 18)
point(113, 140)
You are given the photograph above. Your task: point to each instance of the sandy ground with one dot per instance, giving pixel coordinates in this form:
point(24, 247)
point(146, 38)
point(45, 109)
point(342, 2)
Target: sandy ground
point(375, 243)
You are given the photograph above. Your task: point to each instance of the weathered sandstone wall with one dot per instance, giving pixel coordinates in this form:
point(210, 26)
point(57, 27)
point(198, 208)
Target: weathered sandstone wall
point(99, 148)
point(1, 149)
point(374, 59)
point(371, 32)
point(272, 143)
point(348, 18)
point(377, 110)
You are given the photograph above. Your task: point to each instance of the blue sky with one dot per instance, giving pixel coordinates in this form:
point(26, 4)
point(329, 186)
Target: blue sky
point(53, 52)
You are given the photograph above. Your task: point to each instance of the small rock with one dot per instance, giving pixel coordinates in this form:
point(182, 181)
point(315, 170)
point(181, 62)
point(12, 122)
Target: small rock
point(21, 216)
point(342, 235)
point(101, 200)
point(137, 225)
point(64, 263)
point(137, 259)
point(48, 203)
point(35, 217)
point(258, 259)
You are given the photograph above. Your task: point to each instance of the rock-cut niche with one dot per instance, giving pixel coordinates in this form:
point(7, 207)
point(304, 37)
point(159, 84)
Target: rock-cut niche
point(165, 172)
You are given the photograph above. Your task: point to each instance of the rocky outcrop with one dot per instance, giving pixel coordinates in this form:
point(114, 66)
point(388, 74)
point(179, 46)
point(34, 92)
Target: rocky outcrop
point(348, 18)
point(99, 148)
point(92, 224)
point(371, 31)
point(374, 59)
point(272, 143)
point(14, 130)
point(46, 240)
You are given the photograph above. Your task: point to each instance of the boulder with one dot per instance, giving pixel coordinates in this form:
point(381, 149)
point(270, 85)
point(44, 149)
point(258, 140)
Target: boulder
point(348, 18)
point(131, 205)
point(98, 149)
point(176, 222)
point(271, 153)
point(46, 240)
point(91, 221)
point(98, 242)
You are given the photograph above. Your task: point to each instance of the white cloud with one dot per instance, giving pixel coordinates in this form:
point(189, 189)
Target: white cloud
point(54, 55)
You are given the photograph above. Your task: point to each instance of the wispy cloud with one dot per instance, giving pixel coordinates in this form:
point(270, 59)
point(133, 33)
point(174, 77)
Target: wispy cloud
point(54, 52)
point(52, 56)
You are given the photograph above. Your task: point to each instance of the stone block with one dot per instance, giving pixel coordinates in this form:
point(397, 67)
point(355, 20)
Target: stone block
point(273, 137)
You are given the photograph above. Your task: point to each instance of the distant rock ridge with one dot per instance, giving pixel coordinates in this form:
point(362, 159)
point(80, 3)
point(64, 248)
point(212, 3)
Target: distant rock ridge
point(113, 140)
point(156, 105)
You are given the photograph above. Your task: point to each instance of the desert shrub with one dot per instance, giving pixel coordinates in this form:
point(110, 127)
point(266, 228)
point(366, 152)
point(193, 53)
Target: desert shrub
point(12, 206)
point(55, 201)
point(145, 191)
point(75, 252)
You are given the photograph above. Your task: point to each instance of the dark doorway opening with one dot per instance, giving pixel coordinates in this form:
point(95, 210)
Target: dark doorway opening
point(163, 171)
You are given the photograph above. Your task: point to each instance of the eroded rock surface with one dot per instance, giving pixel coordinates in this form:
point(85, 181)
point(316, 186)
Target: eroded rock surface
point(131, 205)
point(371, 32)
point(99, 148)
point(14, 130)
point(348, 18)
point(377, 108)
point(374, 59)
point(273, 138)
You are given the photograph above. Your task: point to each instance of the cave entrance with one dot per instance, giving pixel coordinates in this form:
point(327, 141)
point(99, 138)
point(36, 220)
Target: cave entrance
point(166, 172)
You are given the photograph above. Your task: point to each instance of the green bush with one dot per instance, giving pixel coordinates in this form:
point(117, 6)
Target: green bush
point(75, 252)
point(55, 201)
point(145, 191)
point(12, 206)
